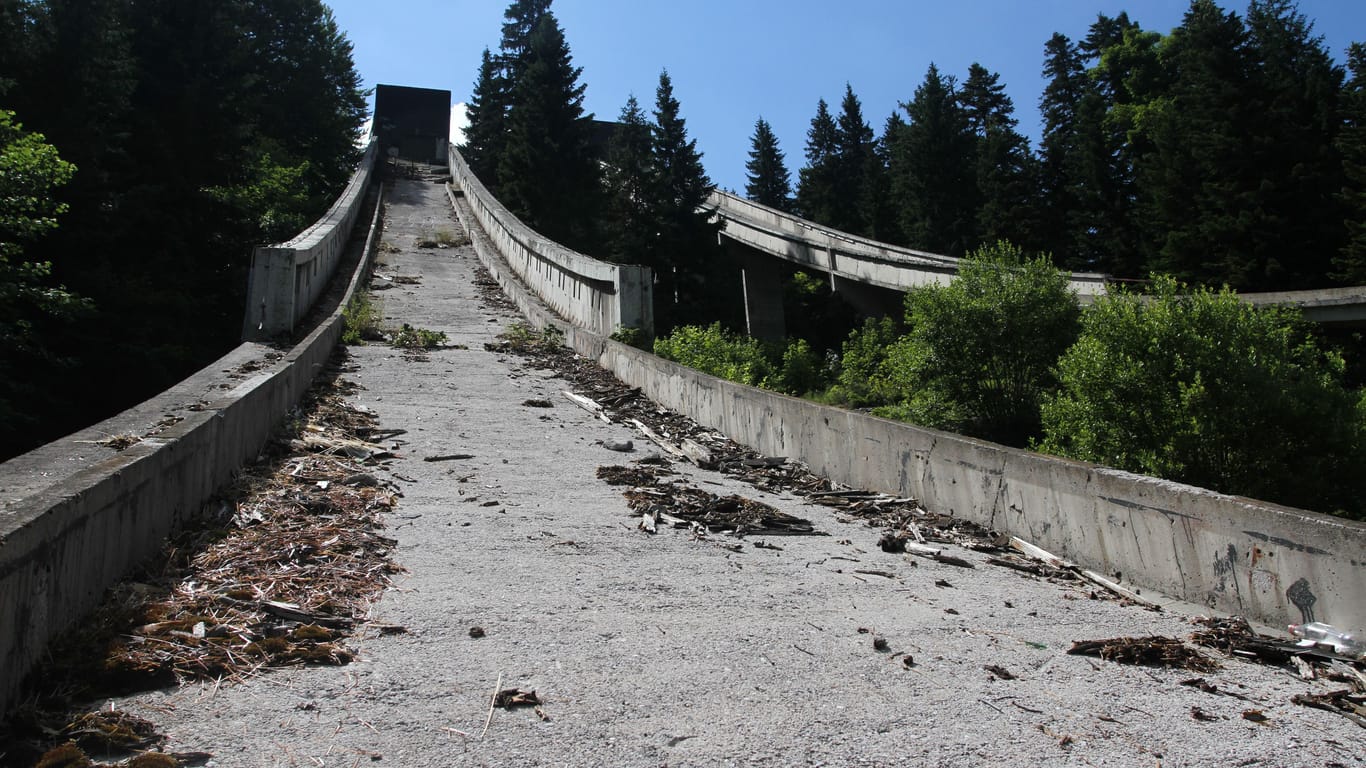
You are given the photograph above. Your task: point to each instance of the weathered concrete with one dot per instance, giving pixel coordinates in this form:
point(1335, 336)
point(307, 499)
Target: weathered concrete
point(77, 515)
point(1327, 306)
point(287, 278)
point(594, 294)
point(842, 255)
point(1270, 563)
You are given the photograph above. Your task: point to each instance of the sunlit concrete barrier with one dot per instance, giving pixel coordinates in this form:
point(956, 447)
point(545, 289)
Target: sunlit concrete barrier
point(286, 278)
point(76, 515)
point(593, 294)
point(1270, 563)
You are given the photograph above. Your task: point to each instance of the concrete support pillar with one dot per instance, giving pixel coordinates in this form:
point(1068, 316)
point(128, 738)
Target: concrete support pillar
point(761, 276)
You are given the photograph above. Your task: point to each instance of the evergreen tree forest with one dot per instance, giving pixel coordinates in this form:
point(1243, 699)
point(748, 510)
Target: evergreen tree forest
point(633, 197)
point(1226, 151)
point(146, 146)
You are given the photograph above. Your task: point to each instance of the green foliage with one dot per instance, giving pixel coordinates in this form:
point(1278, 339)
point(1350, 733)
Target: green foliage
point(273, 199)
point(630, 226)
point(790, 367)
point(932, 170)
point(632, 337)
point(30, 173)
point(362, 318)
point(816, 180)
point(863, 375)
point(487, 114)
point(717, 351)
point(977, 354)
point(689, 271)
point(767, 180)
point(409, 337)
point(521, 337)
point(1198, 387)
point(200, 129)
point(1350, 263)
point(547, 139)
point(801, 370)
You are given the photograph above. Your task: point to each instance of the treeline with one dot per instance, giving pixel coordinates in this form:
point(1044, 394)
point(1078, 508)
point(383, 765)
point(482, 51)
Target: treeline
point(1231, 150)
point(629, 192)
point(195, 130)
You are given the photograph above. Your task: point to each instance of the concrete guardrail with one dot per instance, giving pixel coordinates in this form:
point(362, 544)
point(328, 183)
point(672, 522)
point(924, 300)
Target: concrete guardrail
point(593, 294)
point(286, 278)
point(1270, 563)
point(77, 515)
point(851, 257)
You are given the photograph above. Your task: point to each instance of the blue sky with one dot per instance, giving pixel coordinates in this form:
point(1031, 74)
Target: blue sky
point(736, 60)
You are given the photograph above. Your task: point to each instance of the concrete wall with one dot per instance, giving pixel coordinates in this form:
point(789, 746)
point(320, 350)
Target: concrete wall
point(593, 294)
point(847, 256)
point(1270, 563)
point(286, 278)
point(77, 515)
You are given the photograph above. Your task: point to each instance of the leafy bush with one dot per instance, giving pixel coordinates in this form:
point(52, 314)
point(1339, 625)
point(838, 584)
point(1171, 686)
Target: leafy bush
point(790, 367)
point(1201, 388)
point(631, 337)
point(801, 370)
point(862, 379)
point(717, 351)
point(978, 353)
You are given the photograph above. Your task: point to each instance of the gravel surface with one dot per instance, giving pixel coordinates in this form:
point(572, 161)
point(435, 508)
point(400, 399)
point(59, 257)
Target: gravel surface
point(673, 649)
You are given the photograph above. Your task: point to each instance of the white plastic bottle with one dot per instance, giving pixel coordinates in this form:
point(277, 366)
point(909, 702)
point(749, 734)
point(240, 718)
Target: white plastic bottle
point(1318, 633)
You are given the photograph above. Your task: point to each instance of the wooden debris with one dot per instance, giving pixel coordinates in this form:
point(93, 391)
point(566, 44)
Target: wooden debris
point(516, 697)
point(1154, 651)
point(681, 506)
point(537, 402)
point(1054, 561)
point(587, 404)
point(1344, 702)
point(449, 457)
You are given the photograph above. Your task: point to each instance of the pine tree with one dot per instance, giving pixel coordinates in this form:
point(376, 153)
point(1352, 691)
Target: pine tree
point(690, 282)
point(816, 180)
point(854, 162)
point(767, 179)
point(1059, 151)
point(1294, 226)
point(548, 175)
point(932, 170)
point(1111, 234)
point(1007, 175)
point(486, 134)
point(1349, 264)
point(1191, 180)
point(520, 21)
point(631, 229)
point(879, 201)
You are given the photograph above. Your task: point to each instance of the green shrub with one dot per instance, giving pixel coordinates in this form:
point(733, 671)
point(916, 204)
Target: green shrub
point(361, 320)
point(1202, 388)
point(717, 351)
point(978, 353)
point(801, 372)
point(631, 337)
point(862, 379)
